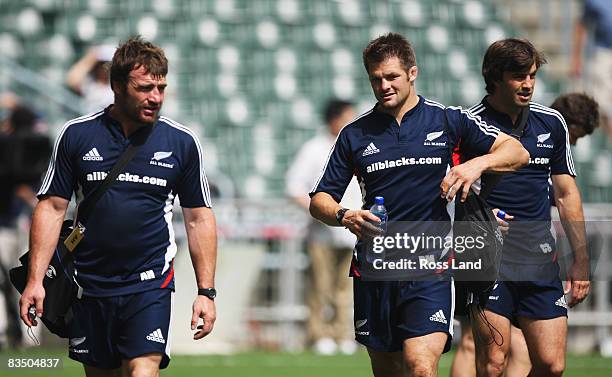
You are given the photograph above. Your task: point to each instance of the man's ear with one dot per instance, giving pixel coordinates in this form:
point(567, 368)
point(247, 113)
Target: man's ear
point(413, 72)
point(117, 87)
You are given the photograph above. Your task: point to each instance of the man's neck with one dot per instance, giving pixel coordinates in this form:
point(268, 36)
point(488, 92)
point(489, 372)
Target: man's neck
point(127, 125)
point(399, 112)
point(499, 105)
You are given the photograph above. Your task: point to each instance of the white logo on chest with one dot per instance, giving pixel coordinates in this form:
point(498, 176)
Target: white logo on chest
point(429, 139)
point(157, 156)
point(541, 139)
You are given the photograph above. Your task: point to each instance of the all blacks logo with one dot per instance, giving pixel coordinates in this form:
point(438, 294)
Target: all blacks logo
point(51, 272)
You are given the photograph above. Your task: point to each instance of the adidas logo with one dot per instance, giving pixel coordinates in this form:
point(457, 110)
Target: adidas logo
point(371, 149)
point(360, 323)
point(438, 317)
point(561, 302)
point(156, 336)
point(93, 155)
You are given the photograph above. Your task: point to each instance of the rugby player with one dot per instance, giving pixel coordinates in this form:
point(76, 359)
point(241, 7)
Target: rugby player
point(124, 263)
point(529, 293)
point(581, 113)
point(399, 150)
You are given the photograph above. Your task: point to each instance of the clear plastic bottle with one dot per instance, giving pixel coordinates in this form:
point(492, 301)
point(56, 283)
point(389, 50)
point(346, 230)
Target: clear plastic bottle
point(378, 210)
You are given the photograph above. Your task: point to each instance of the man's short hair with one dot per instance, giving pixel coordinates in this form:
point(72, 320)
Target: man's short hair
point(509, 55)
point(579, 110)
point(334, 108)
point(388, 46)
point(134, 53)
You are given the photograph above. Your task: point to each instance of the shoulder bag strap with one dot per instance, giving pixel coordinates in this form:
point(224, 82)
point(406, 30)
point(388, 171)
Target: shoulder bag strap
point(84, 211)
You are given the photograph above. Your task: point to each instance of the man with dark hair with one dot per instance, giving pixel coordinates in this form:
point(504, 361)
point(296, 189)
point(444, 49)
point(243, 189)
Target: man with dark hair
point(581, 113)
point(124, 263)
point(529, 292)
point(330, 249)
point(400, 150)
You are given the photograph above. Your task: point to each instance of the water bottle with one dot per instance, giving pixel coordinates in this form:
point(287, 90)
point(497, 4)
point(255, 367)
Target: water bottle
point(374, 251)
point(379, 210)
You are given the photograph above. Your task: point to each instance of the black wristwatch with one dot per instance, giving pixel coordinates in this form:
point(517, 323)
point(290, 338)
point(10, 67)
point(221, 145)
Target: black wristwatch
point(340, 215)
point(211, 293)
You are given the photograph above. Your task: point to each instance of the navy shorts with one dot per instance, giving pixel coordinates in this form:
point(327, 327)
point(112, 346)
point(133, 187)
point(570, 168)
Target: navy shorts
point(537, 299)
point(388, 312)
point(107, 330)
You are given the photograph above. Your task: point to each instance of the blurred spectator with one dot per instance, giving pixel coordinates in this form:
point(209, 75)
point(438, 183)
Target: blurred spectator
point(330, 249)
point(24, 155)
point(90, 78)
point(596, 27)
point(581, 114)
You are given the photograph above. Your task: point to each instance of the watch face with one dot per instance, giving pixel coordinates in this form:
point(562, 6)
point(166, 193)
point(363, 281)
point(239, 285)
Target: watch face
point(208, 292)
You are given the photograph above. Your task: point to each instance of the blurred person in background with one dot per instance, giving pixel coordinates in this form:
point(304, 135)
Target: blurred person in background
point(581, 113)
point(330, 249)
point(405, 325)
point(125, 260)
point(90, 78)
point(24, 153)
point(592, 55)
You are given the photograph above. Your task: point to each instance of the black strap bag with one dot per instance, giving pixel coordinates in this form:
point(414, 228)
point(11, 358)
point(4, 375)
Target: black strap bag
point(59, 282)
point(60, 287)
point(475, 218)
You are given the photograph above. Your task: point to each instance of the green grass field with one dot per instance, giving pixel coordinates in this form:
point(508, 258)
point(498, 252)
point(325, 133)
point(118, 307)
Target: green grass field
point(280, 365)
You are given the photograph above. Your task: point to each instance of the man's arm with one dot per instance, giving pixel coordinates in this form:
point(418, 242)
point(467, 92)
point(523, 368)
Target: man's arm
point(506, 155)
point(202, 239)
point(46, 225)
point(569, 204)
point(323, 207)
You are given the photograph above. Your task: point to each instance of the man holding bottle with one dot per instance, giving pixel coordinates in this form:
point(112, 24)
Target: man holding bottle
point(400, 150)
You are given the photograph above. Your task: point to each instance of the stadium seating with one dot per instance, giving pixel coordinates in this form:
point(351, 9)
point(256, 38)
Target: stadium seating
point(240, 64)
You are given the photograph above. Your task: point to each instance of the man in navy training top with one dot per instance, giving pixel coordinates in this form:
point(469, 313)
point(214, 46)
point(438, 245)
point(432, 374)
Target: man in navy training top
point(530, 293)
point(125, 261)
point(399, 150)
point(581, 113)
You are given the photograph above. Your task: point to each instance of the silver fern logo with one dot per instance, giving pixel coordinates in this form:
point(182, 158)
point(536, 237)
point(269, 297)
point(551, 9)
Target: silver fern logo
point(161, 155)
point(429, 139)
point(158, 156)
point(541, 139)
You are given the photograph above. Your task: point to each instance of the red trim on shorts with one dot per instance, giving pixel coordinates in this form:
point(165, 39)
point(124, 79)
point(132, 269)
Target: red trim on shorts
point(169, 277)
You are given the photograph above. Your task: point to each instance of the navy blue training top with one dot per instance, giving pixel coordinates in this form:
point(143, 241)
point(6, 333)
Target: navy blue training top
point(403, 163)
point(129, 241)
point(525, 194)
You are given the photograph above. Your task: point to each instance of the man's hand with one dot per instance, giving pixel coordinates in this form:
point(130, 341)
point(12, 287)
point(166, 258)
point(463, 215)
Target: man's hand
point(503, 224)
point(578, 282)
point(461, 177)
point(359, 222)
point(204, 308)
point(33, 295)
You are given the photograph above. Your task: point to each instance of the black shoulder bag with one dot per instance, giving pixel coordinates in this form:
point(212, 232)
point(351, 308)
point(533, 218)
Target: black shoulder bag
point(475, 218)
point(60, 285)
